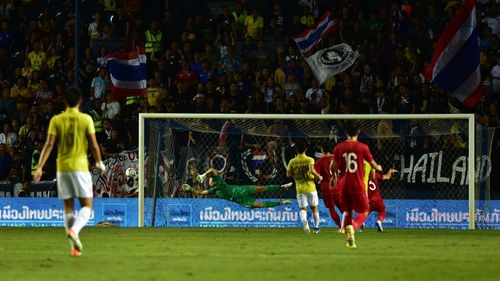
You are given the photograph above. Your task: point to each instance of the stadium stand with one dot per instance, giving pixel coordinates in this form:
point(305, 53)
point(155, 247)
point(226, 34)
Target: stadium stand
point(214, 56)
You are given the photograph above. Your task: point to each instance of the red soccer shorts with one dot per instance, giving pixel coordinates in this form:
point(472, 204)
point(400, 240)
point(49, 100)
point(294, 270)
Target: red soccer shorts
point(354, 200)
point(328, 197)
point(376, 204)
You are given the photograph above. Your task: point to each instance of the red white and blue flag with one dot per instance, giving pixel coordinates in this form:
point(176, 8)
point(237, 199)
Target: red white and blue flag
point(455, 64)
point(128, 73)
point(311, 37)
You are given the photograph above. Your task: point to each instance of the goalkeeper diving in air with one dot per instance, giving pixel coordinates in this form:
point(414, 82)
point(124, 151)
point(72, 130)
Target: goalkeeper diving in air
point(241, 194)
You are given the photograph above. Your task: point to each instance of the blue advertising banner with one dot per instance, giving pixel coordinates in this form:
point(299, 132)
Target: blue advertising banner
point(220, 213)
point(50, 212)
point(400, 214)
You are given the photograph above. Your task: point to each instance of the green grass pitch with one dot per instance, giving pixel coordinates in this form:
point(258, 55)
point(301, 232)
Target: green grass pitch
point(248, 254)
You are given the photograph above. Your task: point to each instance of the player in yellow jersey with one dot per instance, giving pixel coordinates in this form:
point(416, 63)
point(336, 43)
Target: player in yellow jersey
point(301, 168)
point(73, 132)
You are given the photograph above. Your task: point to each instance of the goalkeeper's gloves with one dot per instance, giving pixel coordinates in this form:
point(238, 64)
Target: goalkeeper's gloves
point(200, 178)
point(99, 165)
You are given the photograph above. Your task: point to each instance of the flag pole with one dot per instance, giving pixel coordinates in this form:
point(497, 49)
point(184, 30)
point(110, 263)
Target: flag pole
point(76, 66)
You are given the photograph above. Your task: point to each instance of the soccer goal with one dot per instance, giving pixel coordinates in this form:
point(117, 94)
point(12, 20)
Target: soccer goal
point(435, 156)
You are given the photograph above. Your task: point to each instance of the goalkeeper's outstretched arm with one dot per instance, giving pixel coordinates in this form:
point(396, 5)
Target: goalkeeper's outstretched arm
point(210, 172)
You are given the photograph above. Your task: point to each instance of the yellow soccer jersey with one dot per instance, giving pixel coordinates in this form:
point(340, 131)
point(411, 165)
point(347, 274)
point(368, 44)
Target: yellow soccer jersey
point(367, 170)
point(304, 180)
point(70, 129)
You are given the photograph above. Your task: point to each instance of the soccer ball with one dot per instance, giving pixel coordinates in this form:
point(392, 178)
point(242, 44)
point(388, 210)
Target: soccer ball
point(130, 173)
point(131, 177)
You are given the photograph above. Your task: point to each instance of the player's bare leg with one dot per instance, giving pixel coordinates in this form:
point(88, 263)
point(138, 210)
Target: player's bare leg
point(270, 204)
point(69, 218)
point(349, 230)
point(81, 220)
point(315, 214)
point(335, 217)
point(359, 220)
point(272, 187)
point(303, 218)
point(381, 217)
point(342, 223)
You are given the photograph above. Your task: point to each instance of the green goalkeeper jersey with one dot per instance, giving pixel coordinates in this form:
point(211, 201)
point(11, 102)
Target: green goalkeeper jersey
point(228, 191)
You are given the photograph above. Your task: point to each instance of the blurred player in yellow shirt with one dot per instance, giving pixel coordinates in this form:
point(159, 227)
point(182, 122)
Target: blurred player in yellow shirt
point(73, 132)
point(301, 168)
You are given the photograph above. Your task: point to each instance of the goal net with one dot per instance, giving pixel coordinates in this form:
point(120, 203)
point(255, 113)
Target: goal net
point(435, 156)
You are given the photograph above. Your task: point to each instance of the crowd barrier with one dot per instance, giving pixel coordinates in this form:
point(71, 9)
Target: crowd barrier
point(452, 214)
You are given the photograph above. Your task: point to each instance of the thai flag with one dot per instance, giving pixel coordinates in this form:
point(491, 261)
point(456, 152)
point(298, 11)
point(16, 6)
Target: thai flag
point(455, 64)
point(311, 37)
point(128, 73)
point(258, 158)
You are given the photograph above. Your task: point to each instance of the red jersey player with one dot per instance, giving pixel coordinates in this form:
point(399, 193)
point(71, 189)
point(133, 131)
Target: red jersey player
point(348, 157)
point(375, 200)
point(322, 166)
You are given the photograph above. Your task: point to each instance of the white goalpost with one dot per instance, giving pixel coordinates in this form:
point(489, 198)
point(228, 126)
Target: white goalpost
point(158, 134)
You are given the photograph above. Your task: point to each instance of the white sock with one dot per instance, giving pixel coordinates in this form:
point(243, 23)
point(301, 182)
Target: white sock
point(316, 219)
point(303, 215)
point(81, 220)
point(69, 220)
point(342, 225)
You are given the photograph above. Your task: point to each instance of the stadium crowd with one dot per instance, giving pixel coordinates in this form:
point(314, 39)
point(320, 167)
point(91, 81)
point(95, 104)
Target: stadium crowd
point(221, 57)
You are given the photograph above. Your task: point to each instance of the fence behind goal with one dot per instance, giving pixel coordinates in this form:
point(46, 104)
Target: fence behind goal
point(434, 154)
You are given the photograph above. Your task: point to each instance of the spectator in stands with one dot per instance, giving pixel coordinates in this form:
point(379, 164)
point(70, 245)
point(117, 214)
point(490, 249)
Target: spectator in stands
point(6, 36)
point(110, 108)
point(8, 136)
point(8, 106)
point(199, 103)
point(314, 94)
point(100, 85)
point(495, 78)
point(106, 130)
point(293, 104)
point(230, 64)
point(114, 145)
point(262, 56)
point(224, 21)
point(254, 25)
point(395, 43)
point(89, 61)
point(307, 19)
point(22, 95)
point(95, 27)
point(239, 14)
point(6, 162)
point(153, 38)
point(268, 89)
point(37, 57)
point(155, 94)
point(291, 86)
point(120, 25)
point(169, 27)
point(295, 27)
point(277, 21)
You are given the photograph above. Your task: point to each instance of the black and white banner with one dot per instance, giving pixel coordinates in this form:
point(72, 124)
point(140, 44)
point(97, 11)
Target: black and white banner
point(327, 62)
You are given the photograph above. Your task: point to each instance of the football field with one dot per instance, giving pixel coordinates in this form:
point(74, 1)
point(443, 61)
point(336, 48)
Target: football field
point(248, 254)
